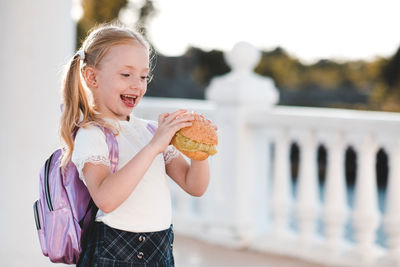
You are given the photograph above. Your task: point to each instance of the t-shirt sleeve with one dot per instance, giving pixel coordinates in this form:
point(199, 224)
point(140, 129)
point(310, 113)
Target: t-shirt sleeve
point(170, 152)
point(90, 147)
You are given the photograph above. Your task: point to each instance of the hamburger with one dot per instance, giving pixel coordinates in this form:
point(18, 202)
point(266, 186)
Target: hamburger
point(197, 141)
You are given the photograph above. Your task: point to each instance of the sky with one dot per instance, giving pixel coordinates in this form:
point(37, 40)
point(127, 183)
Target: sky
point(307, 29)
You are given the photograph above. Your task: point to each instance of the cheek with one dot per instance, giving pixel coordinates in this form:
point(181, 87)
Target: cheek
point(111, 95)
point(144, 89)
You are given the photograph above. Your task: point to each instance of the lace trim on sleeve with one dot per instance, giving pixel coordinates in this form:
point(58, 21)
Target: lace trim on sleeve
point(92, 159)
point(170, 153)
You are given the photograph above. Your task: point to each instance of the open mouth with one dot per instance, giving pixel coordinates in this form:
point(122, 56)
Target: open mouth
point(129, 100)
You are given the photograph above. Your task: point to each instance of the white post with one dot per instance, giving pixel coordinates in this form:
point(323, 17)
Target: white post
point(233, 207)
point(183, 212)
point(307, 188)
point(365, 217)
point(237, 95)
point(335, 205)
point(260, 170)
point(278, 237)
point(392, 215)
point(37, 39)
point(280, 202)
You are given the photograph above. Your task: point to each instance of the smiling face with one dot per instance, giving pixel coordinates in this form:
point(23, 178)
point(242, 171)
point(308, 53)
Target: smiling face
point(120, 80)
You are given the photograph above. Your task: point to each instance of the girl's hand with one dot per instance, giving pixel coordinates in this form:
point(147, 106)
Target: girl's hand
point(168, 125)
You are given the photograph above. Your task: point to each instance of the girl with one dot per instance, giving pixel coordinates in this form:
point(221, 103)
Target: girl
point(133, 223)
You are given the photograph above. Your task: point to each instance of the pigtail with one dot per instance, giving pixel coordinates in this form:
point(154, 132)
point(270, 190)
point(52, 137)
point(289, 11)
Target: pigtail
point(75, 102)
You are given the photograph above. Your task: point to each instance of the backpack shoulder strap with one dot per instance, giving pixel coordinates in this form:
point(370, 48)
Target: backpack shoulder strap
point(151, 127)
point(112, 144)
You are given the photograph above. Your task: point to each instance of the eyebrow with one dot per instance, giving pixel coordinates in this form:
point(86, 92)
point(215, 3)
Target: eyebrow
point(132, 67)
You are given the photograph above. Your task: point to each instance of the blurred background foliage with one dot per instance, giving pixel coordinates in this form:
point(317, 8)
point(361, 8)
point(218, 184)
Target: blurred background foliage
point(367, 85)
point(96, 12)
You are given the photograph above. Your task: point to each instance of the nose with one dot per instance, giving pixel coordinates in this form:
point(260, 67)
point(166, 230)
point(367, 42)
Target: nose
point(136, 82)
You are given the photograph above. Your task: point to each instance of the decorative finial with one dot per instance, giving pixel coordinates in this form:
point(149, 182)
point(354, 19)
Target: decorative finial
point(243, 57)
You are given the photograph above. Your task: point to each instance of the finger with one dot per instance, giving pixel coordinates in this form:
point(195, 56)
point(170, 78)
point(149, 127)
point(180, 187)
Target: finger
point(162, 117)
point(181, 125)
point(187, 116)
point(176, 114)
point(183, 118)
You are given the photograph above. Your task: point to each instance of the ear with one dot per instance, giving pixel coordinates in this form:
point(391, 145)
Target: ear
point(89, 73)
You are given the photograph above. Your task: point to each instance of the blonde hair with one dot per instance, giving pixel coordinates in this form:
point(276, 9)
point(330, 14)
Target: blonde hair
point(76, 100)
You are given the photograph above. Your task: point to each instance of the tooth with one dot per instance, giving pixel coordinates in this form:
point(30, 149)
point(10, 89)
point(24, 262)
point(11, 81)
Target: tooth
point(130, 96)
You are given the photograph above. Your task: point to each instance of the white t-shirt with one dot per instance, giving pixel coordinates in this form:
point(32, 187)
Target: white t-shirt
point(148, 208)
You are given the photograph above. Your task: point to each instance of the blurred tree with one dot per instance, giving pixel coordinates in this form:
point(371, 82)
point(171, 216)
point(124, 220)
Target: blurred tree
point(103, 11)
point(389, 92)
point(324, 83)
point(208, 64)
point(146, 12)
point(325, 74)
point(97, 12)
point(278, 65)
point(391, 71)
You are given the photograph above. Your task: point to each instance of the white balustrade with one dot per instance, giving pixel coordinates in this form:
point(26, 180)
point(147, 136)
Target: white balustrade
point(335, 209)
point(392, 214)
point(249, 201)
point(243, 166)
point(307, 201)
point(365, 217)
point(280, 203)
point(184, 213)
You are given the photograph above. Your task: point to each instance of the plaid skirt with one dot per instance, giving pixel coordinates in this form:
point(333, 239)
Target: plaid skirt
point(107, 246)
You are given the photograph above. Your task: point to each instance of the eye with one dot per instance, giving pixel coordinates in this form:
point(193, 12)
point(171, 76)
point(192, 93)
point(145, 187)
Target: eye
point(125, 74)
point(148, 78)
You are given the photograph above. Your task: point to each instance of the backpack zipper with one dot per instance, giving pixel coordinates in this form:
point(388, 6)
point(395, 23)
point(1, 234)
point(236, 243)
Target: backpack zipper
point(46, 183)
point(36, 213)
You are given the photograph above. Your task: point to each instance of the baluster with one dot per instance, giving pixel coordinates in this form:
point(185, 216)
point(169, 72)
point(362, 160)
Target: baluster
point(281, 196)
point(335, 206)
point(392, 215)
point(259, 179)
point(183, 217)
point(365, 217)
point(307, 188)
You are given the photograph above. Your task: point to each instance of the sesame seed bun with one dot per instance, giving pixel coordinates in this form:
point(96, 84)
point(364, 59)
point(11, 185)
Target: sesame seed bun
point(198, 141)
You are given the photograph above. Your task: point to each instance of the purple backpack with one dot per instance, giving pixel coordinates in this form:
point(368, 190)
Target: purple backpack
point(63, 211)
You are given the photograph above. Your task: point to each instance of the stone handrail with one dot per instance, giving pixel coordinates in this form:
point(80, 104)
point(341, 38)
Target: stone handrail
point(249, 202)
